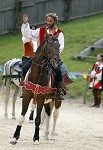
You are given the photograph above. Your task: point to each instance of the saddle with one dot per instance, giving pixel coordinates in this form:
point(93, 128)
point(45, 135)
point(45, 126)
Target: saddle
point(14, 64)
point(17, 66)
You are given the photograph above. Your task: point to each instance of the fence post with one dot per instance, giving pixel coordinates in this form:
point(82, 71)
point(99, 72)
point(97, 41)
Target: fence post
point(18, 10)
point(67, 10)
point(86, 88)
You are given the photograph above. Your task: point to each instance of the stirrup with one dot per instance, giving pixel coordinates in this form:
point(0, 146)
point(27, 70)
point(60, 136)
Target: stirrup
point(60, 96)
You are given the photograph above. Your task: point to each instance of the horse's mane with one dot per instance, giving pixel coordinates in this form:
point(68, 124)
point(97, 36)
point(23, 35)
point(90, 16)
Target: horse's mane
point(39, 49)
point(38, 53)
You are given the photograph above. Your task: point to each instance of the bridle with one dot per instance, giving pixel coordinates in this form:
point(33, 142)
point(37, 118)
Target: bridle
point(48, 58)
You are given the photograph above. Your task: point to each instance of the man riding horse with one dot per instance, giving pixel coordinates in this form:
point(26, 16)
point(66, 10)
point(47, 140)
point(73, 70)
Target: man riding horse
point(39, 34)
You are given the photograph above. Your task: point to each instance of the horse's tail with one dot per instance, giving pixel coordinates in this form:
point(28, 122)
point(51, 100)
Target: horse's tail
point(2, 87)
point(5, 87)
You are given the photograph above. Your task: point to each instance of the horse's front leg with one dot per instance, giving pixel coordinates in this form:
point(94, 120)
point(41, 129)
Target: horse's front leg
point(40, 103)
point(14, 101)
point(25, 103)
point(48, 110)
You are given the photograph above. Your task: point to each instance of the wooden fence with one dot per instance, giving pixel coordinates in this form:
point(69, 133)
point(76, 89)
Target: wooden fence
point(11, 11)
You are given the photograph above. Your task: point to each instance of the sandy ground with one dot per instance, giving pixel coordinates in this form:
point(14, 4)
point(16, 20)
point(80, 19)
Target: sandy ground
point(79, 127)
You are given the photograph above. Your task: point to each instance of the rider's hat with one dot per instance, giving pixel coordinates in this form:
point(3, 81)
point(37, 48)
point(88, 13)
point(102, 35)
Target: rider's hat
point(53, 15)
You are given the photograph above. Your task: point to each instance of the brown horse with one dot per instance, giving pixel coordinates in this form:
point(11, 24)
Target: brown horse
point(40, 85)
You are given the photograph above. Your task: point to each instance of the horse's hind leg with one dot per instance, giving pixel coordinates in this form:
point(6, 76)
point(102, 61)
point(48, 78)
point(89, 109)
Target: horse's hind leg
point(43, 117)
point(55, 117)
point(2, 87)
point(6, 97)
point(25, 103)
point(31, 116)
point(48, 110)
point(14, 101)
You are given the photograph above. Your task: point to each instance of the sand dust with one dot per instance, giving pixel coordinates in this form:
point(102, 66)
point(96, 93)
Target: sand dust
point(79, 127)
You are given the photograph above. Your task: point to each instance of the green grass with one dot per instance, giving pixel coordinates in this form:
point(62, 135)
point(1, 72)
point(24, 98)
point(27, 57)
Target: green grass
point(10, 47)
point(77, 34)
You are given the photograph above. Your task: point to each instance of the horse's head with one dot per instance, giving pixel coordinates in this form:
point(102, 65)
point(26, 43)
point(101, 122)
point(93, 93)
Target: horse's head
point(48, 51)
point(47, 54)
point(51, 48)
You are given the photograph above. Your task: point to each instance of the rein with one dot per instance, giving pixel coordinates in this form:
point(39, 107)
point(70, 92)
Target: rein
point(41, 73)
point(39, 64)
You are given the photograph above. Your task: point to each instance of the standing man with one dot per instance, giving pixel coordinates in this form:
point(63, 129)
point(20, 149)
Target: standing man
point(96, 80)
point(39, 34)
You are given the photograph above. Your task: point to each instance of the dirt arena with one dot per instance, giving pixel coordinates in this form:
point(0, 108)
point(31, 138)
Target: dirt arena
point(79, 127)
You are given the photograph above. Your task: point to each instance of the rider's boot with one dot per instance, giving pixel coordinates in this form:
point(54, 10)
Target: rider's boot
point(59, 90)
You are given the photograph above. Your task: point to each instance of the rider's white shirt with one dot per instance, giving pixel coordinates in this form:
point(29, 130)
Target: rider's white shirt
point(34, 35)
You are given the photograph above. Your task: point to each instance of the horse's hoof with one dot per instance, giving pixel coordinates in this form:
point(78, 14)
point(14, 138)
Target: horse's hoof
point(47, 138)
point(13, 117)
point(52, 138)
point(36, 142)
point(13, 142)
point(6, 116)
point(31, 121)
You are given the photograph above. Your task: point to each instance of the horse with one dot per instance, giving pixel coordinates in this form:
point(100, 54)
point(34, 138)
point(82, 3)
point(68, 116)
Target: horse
point(11, 76)
point(66, 80)
point(39, 84)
